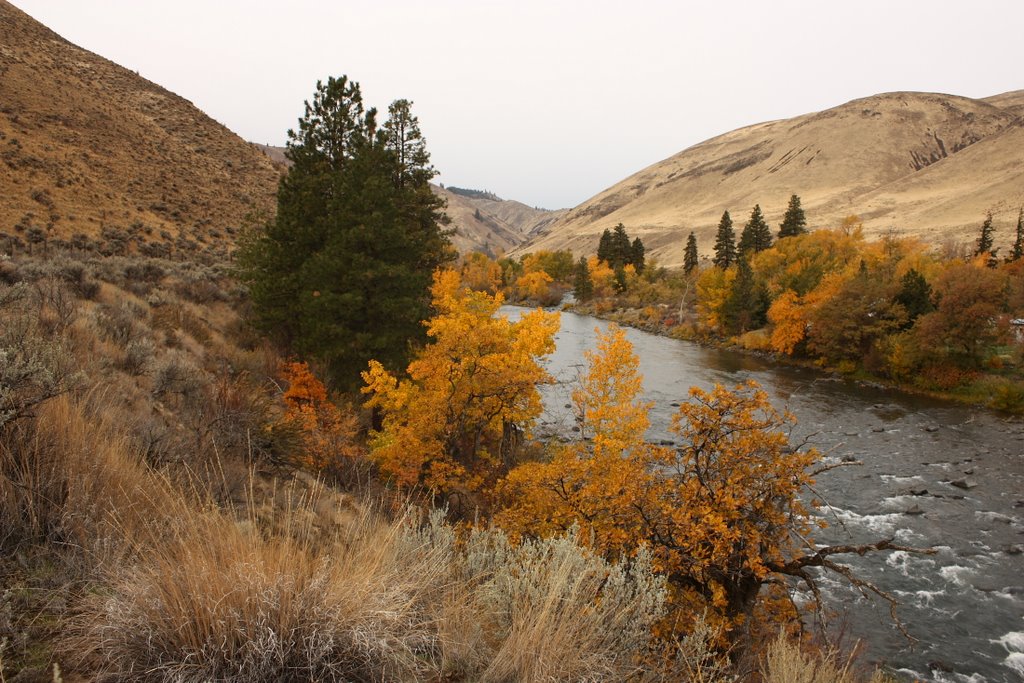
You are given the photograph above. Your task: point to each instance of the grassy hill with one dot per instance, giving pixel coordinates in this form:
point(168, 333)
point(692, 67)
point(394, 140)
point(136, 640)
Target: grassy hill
point(922, 163)
point(91, 153)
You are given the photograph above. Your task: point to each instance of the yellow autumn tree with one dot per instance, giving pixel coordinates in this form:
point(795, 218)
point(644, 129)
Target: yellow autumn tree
point(453, 425)
point(714, 288)
point(789, 322)
point(535, 286)
point(602, 276)
point(590, 483)
point(481, 273)
point(721, 513)
point(327, 435)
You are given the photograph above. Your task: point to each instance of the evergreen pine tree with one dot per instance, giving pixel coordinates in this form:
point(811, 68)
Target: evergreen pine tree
point(756, 235)
point(915, 296)
point(748, 302)
point(794, 222)
point(690, 254)
point(637, 255)
point(621, 248)
point(619, 282)
point(604, 247)
point(342, 273)
point(1018, 243)
point(984, 243)
point(583, 285)
point(725, 243)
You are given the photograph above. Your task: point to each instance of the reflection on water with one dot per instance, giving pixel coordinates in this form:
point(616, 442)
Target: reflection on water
point(934, 474)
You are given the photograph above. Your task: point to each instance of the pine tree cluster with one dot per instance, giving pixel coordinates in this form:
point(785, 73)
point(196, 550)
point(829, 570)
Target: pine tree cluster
point(617, 251)
point(341, 274)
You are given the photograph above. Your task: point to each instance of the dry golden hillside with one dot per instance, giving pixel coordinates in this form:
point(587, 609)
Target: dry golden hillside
point(921, 163)
point(92, 152)
point(492, 226)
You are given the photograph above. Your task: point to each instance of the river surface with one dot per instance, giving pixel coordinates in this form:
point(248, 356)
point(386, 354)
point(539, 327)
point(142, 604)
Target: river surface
point(934, 474)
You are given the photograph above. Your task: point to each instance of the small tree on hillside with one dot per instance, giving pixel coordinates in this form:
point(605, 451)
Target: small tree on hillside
point(1018, 243)
point(725, 243)
point(690, 256)
point(756, 235)
point(985, 240)
point(793, 223)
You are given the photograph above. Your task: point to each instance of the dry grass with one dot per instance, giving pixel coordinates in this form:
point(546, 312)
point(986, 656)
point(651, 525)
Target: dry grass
point(219, 600)
point(785, 662)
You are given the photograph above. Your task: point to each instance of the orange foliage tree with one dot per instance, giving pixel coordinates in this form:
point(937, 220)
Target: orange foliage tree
point(454, 424)
point(969, 317)
point(327, 435)
point(481, 273)
point(589, 482)
point(536, 286)
point(721, 513)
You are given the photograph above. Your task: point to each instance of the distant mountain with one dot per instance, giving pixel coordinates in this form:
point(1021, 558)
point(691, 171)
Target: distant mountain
point(91, 152)
point(483, 222)
point(921, 163)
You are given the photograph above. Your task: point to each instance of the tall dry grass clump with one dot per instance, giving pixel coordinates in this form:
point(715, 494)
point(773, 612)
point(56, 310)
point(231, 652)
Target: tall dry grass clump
point(785, 662)
point(220, 600)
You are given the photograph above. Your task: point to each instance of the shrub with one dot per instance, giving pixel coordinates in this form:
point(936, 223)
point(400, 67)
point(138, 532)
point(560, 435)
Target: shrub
point(33, 368)
point(175, 375)
point(1007, 395)
point(785, 662)
point(222, 601)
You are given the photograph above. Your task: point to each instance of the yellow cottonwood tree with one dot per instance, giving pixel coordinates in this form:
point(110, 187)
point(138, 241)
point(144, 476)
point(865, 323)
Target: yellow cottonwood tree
point(454, 424)
point(591, 482)
point(721, 513)
point(481, 273)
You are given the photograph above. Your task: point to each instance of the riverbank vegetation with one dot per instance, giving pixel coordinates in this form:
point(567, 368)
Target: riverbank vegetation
point(179, 503)
point(944, 321)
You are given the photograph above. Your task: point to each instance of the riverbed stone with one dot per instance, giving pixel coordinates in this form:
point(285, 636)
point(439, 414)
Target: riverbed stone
point(965, 484)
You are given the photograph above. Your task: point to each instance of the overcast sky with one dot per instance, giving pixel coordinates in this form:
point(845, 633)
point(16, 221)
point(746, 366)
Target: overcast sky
point(543, 101)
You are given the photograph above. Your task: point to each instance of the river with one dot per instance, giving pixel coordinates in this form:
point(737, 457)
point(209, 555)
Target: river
point(934, 474)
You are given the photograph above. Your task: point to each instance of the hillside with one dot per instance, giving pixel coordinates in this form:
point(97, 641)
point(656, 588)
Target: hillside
point(92, 153)
point(492, 226)
point(923, 163)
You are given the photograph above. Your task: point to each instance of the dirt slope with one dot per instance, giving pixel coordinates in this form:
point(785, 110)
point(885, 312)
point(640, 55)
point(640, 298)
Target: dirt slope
point(91, 150)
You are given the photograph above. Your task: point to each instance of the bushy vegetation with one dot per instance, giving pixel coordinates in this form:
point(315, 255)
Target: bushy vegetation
point(933, 320)
point(160, 521)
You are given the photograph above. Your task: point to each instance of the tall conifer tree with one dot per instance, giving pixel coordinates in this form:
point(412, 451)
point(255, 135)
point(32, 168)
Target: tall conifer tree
point(342, 273)
point(756, 235)
point(690, 256)
point(583, 285)
point(604, 247)
point(1018, 243)
point(794, 222)
point(725, 243)
point(636, 255)
point(985, 239)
